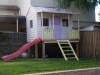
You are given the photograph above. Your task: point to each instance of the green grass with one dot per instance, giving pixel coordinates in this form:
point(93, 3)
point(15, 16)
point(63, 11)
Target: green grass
point(24, 66)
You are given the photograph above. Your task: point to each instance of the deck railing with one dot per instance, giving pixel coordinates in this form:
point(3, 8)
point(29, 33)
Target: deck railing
point(74, 34)
point(48, 34)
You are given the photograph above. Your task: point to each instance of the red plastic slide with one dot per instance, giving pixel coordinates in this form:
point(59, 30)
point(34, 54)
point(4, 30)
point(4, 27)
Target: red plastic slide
point(21, 50)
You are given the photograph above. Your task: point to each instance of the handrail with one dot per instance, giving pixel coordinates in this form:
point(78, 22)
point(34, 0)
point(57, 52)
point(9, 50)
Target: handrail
point(12, 32)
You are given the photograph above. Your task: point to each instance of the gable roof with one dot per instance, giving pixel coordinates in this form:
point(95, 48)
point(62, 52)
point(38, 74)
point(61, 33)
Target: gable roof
point(53, 10)
point(9, 7)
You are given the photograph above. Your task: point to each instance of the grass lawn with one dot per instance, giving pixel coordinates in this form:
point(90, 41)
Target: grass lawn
point(24, 66)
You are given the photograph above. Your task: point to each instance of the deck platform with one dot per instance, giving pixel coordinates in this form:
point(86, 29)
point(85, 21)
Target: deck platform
point(55, 41)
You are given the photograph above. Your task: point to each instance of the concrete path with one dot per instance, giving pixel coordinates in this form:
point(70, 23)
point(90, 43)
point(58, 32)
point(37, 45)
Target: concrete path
point(88, 71)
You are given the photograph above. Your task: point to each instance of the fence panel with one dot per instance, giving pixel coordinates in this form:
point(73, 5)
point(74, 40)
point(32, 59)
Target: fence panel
point(89, 46)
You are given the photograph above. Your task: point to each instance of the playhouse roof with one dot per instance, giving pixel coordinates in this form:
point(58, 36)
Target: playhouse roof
point(53, 10)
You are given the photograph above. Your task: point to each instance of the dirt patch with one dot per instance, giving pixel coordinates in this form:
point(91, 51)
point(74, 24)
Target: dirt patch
point(89, 71)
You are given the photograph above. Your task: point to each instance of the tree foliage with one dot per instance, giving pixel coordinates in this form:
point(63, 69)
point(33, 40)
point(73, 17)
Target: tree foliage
point(85, 5)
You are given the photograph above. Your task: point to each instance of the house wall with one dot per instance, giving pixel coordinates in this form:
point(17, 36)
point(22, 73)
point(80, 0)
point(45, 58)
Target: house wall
point(31, 32)
point(22, 26)
point(9, 12)
point(64, 30)
point(7, 27)
point(96, 28)
point(47, 3)
point(7, 2)
point(24, 6)
point(87, 29)
point(11, 27)
point(86, 18)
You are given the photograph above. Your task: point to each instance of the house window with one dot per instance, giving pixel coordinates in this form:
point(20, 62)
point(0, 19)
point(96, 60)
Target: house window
point(45, 22)
point(31, 23)
point(65, 22)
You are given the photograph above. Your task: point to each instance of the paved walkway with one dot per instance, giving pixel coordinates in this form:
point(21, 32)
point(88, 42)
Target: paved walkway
point(89, 71)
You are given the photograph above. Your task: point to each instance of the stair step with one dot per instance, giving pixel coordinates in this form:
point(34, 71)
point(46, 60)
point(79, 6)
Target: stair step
point(69, 54)
point(63, 43)
point(71, 57)
point(67, 50)
point(65, 46)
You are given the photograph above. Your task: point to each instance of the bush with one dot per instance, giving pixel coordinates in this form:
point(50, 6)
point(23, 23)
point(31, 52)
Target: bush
point(5, 42)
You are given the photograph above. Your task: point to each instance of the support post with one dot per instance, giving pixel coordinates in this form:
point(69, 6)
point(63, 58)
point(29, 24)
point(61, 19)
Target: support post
point(78, 27)
point(17, 25)
point(53, 24)
point(36, 51)
point(69, 26)
point(42, 23)
point(28, 52)
point(77, 48)
point(43, 51)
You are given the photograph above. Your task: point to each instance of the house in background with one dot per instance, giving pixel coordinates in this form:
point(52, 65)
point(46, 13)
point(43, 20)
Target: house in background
point(94, 27)
point(10, 16)
point(12, 25)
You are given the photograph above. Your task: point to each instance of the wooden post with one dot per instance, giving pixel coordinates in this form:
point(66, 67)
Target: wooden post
point(29, 53)
point(43, 51)
point(36, 51)
point(78, 27)
point(42, 24)
point(68, 26)
point(53, 24)
point(77, 48)
point(17, 25)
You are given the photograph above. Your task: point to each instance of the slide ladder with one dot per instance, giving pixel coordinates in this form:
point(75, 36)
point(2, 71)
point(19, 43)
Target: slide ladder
point(67, 49)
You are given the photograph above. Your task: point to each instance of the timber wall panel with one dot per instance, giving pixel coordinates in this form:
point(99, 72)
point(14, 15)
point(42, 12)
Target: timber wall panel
point(89, 46)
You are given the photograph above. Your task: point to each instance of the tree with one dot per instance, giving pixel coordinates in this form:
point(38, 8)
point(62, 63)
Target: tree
point(85, 5)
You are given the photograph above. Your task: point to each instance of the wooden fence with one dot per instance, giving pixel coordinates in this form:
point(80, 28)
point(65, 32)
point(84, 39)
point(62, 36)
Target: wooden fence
point(89, 46)
point(11, 41)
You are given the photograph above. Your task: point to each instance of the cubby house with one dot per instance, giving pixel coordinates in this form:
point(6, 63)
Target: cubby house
point(51, 24)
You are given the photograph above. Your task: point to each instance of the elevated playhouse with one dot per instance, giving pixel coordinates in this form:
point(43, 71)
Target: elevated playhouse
point(53, 25)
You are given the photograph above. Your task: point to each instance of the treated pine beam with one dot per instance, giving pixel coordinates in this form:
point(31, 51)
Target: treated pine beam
point(77, 48)
point(42, 24)
point(69, 26)
point(17, 24)
point(43, 51)
point(29, 53)
point(78, 27)
point(36, 51)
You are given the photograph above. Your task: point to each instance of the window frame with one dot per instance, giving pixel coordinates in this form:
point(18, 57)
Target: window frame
point(31, 23)
point(44, 24)
point(66, 20)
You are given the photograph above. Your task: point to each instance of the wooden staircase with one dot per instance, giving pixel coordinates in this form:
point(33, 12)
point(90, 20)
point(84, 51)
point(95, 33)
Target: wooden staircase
point(67, 49)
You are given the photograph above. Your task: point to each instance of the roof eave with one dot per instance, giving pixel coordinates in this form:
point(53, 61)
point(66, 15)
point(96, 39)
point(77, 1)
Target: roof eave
point(58, 12)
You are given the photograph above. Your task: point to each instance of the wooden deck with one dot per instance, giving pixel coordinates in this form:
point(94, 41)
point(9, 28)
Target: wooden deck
point(55, 41)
